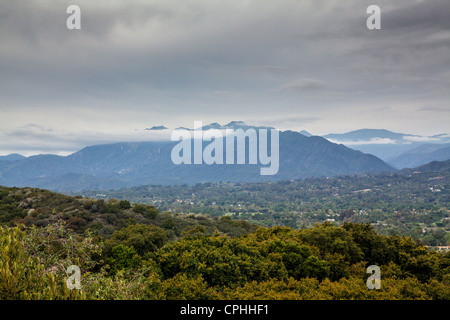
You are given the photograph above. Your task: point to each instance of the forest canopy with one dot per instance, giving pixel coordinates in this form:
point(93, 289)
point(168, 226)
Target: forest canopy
point(134, 251)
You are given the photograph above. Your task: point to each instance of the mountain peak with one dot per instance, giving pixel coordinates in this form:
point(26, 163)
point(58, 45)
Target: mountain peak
point(231, 125)
point(12, 157)
point(244, 126)
point(306, 133)
point(364, 134)
point(156, 128)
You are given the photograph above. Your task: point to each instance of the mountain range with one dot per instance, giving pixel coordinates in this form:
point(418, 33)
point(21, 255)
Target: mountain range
point(399, 150)
point(302, 155)
point(433, 166)
point(12, 157)
point(420, 155)
point(124, 164)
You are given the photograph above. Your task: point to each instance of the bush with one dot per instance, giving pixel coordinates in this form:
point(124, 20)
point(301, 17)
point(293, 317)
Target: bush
point(139, 208)
point(122, 258)
point(22, 276)
point(143, 238)
point(124, 204)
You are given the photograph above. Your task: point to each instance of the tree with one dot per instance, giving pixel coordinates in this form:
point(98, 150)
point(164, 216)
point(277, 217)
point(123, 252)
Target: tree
point(21, 274)
point(124, 204)
point(143, 238)
point(122, 258)
point(180, 287)
point(330, 239)
point(139, 208)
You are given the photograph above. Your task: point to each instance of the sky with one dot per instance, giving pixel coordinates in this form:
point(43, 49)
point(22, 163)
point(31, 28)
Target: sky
point(292, 64)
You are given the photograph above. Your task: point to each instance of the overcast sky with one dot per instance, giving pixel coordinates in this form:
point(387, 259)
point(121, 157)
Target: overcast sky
point(291, 64)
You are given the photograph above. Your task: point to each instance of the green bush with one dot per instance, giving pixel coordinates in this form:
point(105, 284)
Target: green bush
point(123, 257)
point(143, 238)
point(124, 204)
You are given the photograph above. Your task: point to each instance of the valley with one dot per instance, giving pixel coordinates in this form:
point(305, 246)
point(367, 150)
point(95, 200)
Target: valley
point(410, 202)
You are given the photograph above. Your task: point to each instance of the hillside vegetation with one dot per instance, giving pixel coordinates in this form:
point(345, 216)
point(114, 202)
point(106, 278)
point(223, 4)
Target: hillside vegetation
point(413, 202)
point(132, 251)
point(31, 206)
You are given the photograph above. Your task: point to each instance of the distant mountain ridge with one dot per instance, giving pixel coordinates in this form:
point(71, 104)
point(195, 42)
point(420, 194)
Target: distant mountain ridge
point(385, 144)
point(366, 134)
point(422, 154)
point(305, 133)
point(434, 166)
point(12, 157)
point(127, 164)
point(231, 125)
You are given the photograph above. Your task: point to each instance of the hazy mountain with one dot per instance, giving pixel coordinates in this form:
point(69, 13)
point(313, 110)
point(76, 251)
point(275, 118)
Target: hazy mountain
point(156, 128)
point(422, 154)
point(306, 133)
point(127, 164)
point(434, 166)
point(232, 125)
point(365, 134)
point(12, 157)
point(383, 143)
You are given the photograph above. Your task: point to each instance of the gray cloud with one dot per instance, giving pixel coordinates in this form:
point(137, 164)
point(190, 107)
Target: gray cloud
point(305, 86)
point(431, 15)
point(172, 62)
point(36, 139)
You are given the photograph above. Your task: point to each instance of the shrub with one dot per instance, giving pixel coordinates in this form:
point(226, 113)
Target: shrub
point(124, 204)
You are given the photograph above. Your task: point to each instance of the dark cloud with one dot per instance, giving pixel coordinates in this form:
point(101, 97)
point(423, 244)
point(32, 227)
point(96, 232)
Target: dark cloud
point(431, 15)
point(216, 61)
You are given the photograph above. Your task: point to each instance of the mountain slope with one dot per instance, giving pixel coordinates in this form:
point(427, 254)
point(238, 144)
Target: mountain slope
point(420, 155)
point(306, 133)
point(434, 166)
point(32, 206)
point(12, 157)
point(128, 164)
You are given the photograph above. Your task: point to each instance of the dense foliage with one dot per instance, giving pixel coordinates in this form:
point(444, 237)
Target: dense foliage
point(323, 262)
point(413, 204)
point(134, 251)
point(31, 206)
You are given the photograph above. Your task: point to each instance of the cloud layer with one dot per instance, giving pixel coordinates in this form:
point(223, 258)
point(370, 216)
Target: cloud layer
point(299, 64)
